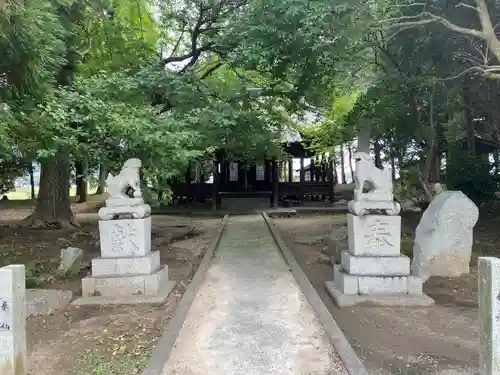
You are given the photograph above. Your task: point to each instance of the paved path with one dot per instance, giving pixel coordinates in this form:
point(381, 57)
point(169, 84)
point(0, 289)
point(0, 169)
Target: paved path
point(249, 316)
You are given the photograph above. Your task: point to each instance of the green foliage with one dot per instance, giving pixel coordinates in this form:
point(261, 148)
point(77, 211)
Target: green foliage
point(31, 41)
point(10, 169)
point(86, 78)
point(409, 186)
point(470, 175)
point(299, 45)
point(334, 129)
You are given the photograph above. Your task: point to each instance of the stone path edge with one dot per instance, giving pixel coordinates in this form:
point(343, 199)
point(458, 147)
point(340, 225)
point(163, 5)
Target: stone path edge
point(352, 362)
point(163, 348)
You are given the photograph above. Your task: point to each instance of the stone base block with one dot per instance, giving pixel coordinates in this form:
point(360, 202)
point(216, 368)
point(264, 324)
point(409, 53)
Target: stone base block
point(374, 235)
point(125, 237)
point(372, 300)
point(125, 285)
point(46, 301)
point(366, 207)
point(120, 202)
point(126, 266)
point(376, 266)
point(348, 284)
point(139, 211)
point(373, 196)
point(382, 284)
point(160, 298)
point(367, 285)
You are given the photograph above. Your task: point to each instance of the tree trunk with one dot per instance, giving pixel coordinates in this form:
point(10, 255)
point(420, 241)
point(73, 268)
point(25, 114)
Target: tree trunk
point(364, 136)
point(81, 172)
point(393, 165)
point(32, 180)
point(469, 120)
point(496, 161)
point(400, 164)
point(427, 190)
point(349, 149)
point(215, 183)
point(342, 167)
point(335, 174)
point(378, 157)
point(103, 174)
point(431, 154)
point(275, 174)
point(53, 205)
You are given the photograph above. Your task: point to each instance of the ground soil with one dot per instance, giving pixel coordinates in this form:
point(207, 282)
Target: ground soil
point(97, 340)
point(442, 339)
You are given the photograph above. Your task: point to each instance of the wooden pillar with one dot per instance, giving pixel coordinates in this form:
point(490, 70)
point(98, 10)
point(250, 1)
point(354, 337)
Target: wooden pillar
point(275, 178)
point(268, 175)
point(215, 185)
point(188, 174)
point(322, 169)
point(227, 178)
point(302, 175)
point(331, 180)
point(245, 176)
point(290, 170)
point(312, 170)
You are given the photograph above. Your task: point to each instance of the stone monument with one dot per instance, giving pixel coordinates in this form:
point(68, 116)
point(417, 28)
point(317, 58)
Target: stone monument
point(443, 238)
point(127, 271)
point(373, 271)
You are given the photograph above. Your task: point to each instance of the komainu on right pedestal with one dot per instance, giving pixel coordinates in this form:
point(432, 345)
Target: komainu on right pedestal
point(373, 271)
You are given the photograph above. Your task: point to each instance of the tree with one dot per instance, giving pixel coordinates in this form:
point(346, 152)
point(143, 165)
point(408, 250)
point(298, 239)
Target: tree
point(483, 36)
point(231, 75)
point(67, 135)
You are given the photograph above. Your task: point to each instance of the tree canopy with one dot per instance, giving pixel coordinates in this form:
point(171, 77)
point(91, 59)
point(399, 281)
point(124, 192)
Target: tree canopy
point(90, 83)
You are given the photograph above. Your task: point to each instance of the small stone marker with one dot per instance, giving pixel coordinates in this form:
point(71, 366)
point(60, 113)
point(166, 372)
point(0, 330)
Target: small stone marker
point(12, 320)
point(70, 257)
point(489, 315)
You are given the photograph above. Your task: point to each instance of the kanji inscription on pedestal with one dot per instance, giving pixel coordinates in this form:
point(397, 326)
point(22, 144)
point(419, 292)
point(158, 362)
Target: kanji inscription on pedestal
point(377, 235)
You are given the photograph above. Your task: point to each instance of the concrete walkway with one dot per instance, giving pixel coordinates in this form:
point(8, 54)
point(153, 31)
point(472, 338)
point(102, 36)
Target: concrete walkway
point(249, 316)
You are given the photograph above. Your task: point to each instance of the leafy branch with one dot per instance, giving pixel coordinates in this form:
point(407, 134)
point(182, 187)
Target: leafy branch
point(486, 33)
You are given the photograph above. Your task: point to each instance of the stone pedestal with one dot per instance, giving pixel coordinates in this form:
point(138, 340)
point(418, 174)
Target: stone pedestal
point(127, 271)
point(373, 271)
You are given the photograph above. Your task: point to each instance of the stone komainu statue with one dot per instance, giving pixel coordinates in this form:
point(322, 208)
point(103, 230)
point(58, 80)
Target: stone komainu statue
point(128, 177)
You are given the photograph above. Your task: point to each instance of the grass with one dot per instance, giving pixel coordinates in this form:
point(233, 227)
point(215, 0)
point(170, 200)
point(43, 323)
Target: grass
point(25, 193)
point(92, 362)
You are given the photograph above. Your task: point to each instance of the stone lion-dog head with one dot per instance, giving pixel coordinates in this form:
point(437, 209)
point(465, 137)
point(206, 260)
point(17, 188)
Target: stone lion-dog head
point(366, 171)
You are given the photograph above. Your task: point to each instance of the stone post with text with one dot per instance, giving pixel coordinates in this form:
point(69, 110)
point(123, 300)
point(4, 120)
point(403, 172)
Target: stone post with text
point(489, 315)
point(12, 320)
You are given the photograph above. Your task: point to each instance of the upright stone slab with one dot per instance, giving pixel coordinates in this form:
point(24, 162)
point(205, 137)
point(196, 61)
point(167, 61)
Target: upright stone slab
point(12, 320)
point(127, 271)
point(443, 238)
point(373, 270)
point(489, 315)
